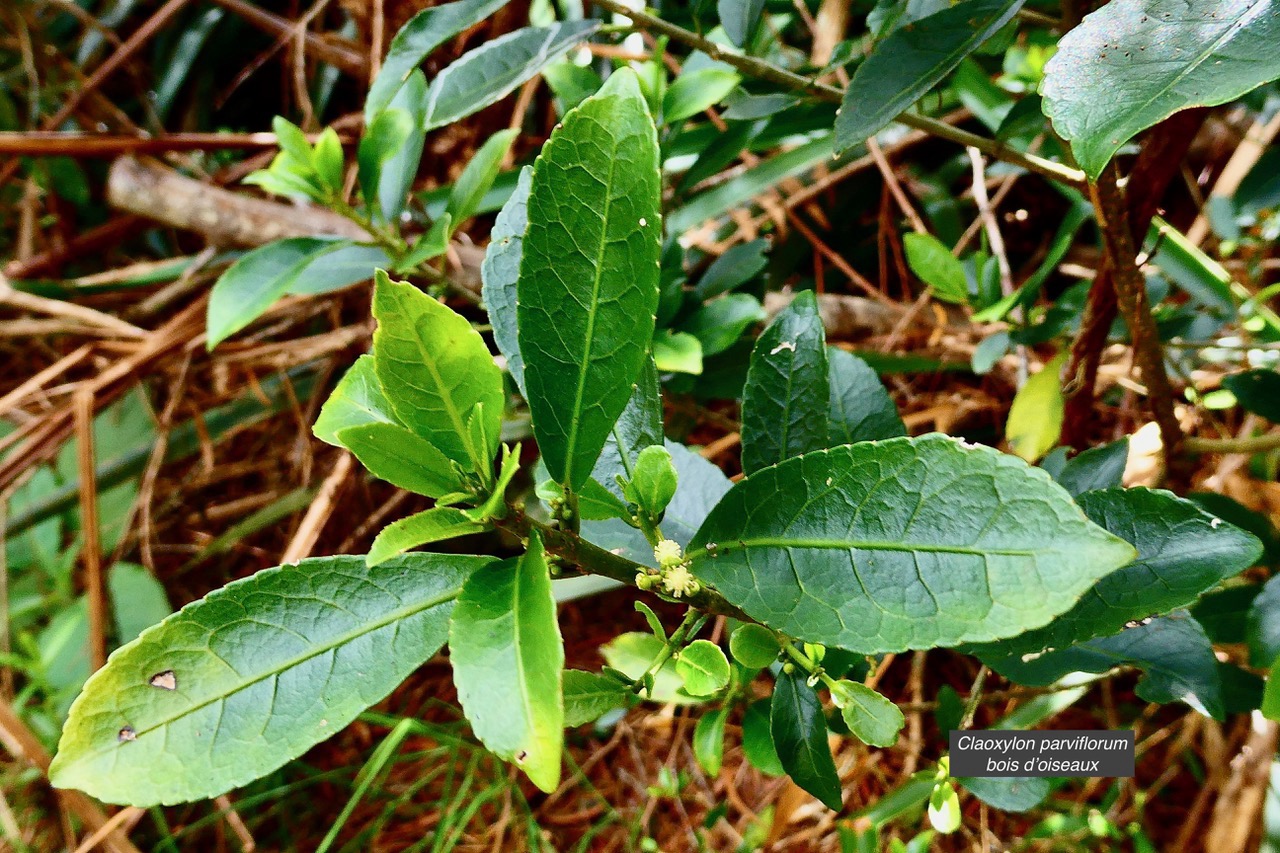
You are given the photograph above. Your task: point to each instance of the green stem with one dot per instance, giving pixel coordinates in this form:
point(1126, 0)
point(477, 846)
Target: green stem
point(770, 73)
point(805, 662)
point(689, 627)
point(1249, 444)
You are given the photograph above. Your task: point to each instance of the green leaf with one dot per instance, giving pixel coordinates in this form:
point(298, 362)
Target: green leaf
point(1182, 552)
point(253, 283)
point(588, 696)
point(1035, 418)
point(737, 266)
point(757, 741)
point(432, 244)
point(391, 150)
point(402, 458)
point(138, 600)
point(1096, 468)
point(357, 400)
point(653, 482)
point(209, 700)
point(784, 403)
point(872, 718)
point(416, 40)
point(1133, 63)
point(911, 61)
point(500, 273)
point(703, 668)
point(799, 732)
point(342, 264)
point(588, 284)
point(422, 528)
point(698, 90)
point(708, 741)
point(861, 409)
point(721, 322)
point(507, 658)
point(677, 352)
point(1009, 794)
point(740, 18)
point(639, 426)
point(1257, 391)
point(754, 646)
point(1262, 625)
point(437, 372)
point(957, 543)
point(634, 652)
point(478, 176)
point(1173, 652)
point(934, 264)
point(1271, 693)
point(489, 73)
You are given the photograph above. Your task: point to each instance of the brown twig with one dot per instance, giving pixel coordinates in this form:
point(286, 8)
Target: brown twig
point(91, 544)
point(1131, 296)
point(54, 144)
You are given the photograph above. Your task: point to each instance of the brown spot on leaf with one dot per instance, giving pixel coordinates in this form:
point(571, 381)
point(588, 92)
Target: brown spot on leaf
point(521, 756)
point(126, 734)
point(164, 680)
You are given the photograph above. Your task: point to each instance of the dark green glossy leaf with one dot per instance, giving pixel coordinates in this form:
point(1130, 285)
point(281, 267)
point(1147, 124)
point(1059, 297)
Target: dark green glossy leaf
point(1262, 629)
point(911, 61)
point(416, 40)
point(1182, 552)
point(799, 731)
point(588, 284)
point(1257, 391)
point(508, 657)
point(500, 273)
point(1096, 468)
point(489, 73)
point(1173, 652)
point(721, 322)
point(734, 268)
point(784, 403)
point(904, 543)
point(209, 700)
point(437, 373)
point(1133, 63)
point(861, 409)
point(757, 741)
point(1010, 794)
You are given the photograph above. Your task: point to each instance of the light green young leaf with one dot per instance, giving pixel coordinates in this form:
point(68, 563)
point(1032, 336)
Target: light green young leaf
point(391, 149)
point(432, 244)
point(799, 732)
point(940, 555)
point(436, 370)
point(653, 482)
point(588, 696)
point(633, 653)
point(872, 718)
point(708, 741)
point(703, 668)
point(698, 90)
point(402, 458)
point(138, 600)
point(861, 408)
point(754, 646)
point(1035, 418)
point(489, 73)
point(207, 700)
point(416, 40)
point(500, 273)
point(478, 176)
point(508, 658)
point(784, 403)
point(421, 528)
point(357, 400)
point(911, 61)
point(328, 159)
point(588, 285)
point(1133, 63)
point(677, 352)
point(937, 267)
point(944, 808)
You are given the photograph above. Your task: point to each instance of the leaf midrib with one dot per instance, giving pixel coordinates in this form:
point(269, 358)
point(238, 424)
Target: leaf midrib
point(871, 545)
point(343, 639)
point(576, 422)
